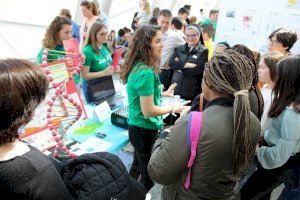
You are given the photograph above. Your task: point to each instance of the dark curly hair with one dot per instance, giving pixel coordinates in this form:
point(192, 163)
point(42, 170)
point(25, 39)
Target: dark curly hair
point(139, 48)
point(22, 87)
point(51, 35)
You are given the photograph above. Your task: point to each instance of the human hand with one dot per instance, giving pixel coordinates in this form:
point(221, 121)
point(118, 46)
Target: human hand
point(176, 59)
point(108, 71)
point(185, 111)
point(178, 108)
point(170, 91)
point(189, 65)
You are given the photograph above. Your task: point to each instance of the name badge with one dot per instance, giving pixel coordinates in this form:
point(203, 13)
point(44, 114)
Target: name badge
point(194, 56)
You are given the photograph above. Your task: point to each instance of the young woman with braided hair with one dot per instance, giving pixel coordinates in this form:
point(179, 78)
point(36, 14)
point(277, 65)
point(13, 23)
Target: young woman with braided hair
point(228, 137)
point(255, 96)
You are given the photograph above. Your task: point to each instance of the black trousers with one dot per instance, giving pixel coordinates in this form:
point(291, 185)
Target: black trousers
point(262, 182)
point(142, 140)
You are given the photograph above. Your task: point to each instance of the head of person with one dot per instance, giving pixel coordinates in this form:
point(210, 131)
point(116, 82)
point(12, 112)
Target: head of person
point(89, 9)
point(267, 71)
point(248, 54)
point(188, 7)
point(145, 46)
point(183, 13)
point(65, 13)
point(176, 23)
point(164, 20)
point(193, 35)
point(282, 40)
point(193, 20)
point(208, 31)
point(153, 21)
point(97, 35)
point(155, 12)
point(228, 74)
point(60, 29)
point(286, 90)
point(222, 46)
point(145, 5)
point(213, 15)
point(23, 86)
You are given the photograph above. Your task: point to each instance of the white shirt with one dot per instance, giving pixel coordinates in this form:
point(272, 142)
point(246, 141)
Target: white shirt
point(170, 40)
point(265, 120)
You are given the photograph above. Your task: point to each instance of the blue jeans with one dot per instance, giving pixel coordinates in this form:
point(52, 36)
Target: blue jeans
point(87, 92)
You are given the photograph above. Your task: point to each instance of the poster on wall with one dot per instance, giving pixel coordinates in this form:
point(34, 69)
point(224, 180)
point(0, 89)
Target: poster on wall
point(293, 4)
point(230, 22)
point(272, 21)
point(249, 22)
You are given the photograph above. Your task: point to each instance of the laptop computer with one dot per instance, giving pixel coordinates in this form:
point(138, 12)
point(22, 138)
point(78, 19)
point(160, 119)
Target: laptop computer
point(103, 89)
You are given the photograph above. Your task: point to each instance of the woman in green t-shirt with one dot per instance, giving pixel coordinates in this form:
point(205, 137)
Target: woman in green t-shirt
point(60, 29)
point(139, 71)
point(97, 58)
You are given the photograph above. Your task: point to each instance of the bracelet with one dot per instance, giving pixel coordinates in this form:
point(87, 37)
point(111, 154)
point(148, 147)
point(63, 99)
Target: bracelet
point(172, 110)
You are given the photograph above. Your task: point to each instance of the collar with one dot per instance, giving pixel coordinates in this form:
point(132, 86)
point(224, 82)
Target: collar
point(222, 101)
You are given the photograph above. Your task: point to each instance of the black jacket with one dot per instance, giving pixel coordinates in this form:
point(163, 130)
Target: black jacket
point(100, 176)
point(188, 79)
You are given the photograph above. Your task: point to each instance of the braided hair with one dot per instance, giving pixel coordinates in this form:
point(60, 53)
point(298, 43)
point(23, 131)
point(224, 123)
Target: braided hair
point(242, 49)
point(230, 73)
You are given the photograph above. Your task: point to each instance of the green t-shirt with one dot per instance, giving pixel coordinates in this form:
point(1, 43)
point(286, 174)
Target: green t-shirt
point(54, 57)
point(97, 62)
point(51, 55)
point(142, 81)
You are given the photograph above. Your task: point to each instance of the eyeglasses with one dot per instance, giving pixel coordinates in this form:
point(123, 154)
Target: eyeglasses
point(273, 41)
point(102, 34)
point(192, 36)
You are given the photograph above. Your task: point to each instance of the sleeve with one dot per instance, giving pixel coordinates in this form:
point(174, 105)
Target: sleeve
point(167, 162)
point(88, 58)
point(278, 155)
point(179, 41)
point(176, 65)
point(48, 185)
point(202, 59)
point(39, 56)
point(133, 22)
point(145, 83)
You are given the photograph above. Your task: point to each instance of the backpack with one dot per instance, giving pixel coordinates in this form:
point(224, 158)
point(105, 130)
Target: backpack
point(192, 136)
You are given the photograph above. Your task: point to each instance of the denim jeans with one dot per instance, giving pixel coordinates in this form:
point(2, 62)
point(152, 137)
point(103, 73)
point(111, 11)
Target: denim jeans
point(87, 92)
point(142, 140)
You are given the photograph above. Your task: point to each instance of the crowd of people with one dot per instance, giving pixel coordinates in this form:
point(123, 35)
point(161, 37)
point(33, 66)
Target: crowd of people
point(249, 141)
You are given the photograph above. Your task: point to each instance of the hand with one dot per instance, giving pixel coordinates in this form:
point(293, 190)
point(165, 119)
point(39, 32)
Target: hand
point(185, 111)
point(117, 69)
point(176, 59)
point(189, 65)
point(170, 91)
point(108, 71)
point(178, 108)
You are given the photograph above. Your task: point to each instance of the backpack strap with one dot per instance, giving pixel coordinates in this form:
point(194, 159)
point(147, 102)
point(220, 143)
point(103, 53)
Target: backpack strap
point(193, 133)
